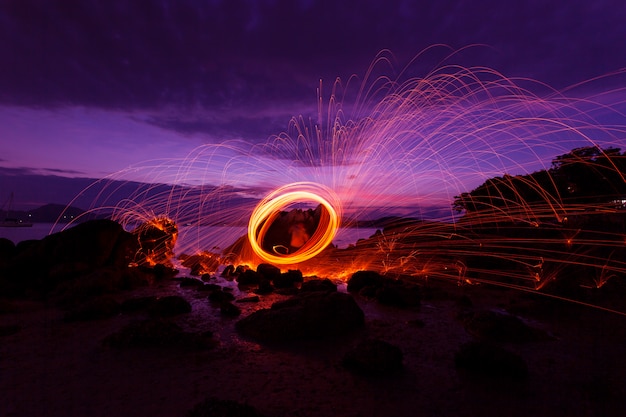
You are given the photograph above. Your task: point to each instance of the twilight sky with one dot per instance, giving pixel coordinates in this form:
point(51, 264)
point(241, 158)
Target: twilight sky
point(89, 88)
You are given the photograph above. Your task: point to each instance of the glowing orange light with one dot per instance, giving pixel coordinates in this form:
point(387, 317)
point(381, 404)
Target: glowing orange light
point(269, 208)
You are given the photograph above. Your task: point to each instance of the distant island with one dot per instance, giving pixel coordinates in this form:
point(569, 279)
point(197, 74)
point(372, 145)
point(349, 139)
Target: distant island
point(50, 213)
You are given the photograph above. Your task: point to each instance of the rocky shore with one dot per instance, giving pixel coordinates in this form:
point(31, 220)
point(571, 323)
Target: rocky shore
point(83, 333)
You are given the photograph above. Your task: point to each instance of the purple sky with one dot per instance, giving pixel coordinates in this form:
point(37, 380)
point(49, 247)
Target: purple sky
point(89, 88)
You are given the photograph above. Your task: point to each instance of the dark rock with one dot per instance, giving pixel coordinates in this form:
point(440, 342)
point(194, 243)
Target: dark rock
point(169, 306)
point(501, 327)
point(209, 288)
point(186, 282)
point(74, 252)
point(161, 271)
point(200, 264)
point(398, 294)
point(251, 299)
point(94, 309)
point(417, 323)
point(206, 277)
point(361, 279)
point(7, 252)
point(374, 357)
point(288, 279)
point(287, 291)
point(268, 271)
point(220, 296)
point(307, 316)
point(318, 284)
point(229, 309)
point(135, 304)
point(106, 280)
point(10, 329)
point(481, 358)
point(249, 277)
point(157, 333)
point(229, 271)
point(212, 407)
point(265, 287)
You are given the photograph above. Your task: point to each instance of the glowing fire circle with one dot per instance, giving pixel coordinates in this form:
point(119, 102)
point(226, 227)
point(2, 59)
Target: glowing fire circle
point(270, 207)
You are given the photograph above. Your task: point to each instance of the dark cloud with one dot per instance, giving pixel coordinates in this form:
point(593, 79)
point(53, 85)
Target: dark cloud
point(39, 171)
point(248, 127)
point(223, 54)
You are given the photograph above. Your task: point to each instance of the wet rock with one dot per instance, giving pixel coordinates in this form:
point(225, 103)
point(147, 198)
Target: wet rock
point(265, 287)
point(157, 333)
point(288, 279)
point(306, 316)
point(497, 326)
point(268, 271)
point(251, 299)
point(249, 277)
point(41, 265)
point(387, 291)
point(200, 264)
point(220, 296)
point(135, 304)
point(486, 359)
point(209, 288)
point(229, 309)
point(161, 271)
point(171, 305)
point(361, 279)
point(318, 284)
point(398, 294)
point(228, 272)
point(213, 407)
point(96, 308)
point(9, 329)
point(186, 282)
point(7, 252)
point(106, 280)
point(374, 357)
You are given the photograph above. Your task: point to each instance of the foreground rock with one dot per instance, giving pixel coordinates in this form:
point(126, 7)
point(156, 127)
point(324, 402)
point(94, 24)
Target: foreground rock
point(387, 291)
point(168, 306)
point(212, 407)
point(494, 326)
point(486, 359)
point(374, 357)
point(157, 333)
point(304, 317)
point(38, 266)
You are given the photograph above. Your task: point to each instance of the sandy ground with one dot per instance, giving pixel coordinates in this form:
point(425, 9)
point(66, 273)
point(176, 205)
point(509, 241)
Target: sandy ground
point(54, 368)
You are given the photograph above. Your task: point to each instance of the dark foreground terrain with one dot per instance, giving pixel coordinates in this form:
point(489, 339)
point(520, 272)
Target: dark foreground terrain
point(87, 336)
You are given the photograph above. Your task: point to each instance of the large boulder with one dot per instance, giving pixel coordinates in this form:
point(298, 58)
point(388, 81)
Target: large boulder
point(362, 279)
point(156, 333)
point(80, 250)
point(213, 407)
point(168, 306)
point(374, 357)
point(486, 359)
point(496, 326)
point(307, 316)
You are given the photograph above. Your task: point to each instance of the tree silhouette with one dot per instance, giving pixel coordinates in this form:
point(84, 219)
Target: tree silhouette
point(583, 176)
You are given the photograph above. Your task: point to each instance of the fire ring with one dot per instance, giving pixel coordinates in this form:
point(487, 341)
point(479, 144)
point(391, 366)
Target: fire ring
point(269, 208)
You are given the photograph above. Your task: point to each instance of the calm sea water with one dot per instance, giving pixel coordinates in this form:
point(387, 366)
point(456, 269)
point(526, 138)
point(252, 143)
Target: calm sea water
point(345, 236)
